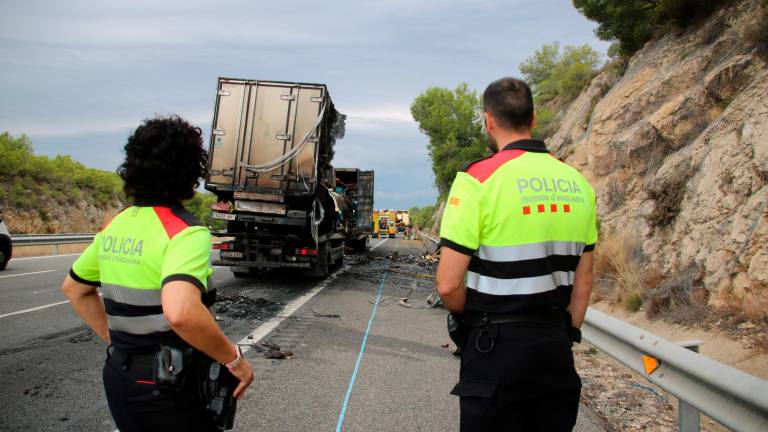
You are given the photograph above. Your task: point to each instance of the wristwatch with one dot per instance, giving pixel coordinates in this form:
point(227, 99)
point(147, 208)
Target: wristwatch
point(234, 363)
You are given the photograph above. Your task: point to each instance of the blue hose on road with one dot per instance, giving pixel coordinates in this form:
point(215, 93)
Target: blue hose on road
point(344, 405)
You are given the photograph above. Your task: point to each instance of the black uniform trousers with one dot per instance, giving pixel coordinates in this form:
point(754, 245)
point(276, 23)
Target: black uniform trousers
point(526, 382)
point(137, 405)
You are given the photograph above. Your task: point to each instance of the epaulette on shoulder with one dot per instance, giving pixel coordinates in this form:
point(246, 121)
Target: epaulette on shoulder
point(175, 219)
point(467, 166)
point(484, 168)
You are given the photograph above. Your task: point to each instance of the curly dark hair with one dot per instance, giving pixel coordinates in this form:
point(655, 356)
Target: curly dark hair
point(164, 161)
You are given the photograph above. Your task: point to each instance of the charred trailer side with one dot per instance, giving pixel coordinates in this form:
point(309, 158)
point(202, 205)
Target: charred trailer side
point(270, 166)
point(356, 186)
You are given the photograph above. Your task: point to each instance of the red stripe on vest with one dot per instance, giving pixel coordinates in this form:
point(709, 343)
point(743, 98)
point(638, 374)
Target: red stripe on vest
point(172, 223)
point(483, 169)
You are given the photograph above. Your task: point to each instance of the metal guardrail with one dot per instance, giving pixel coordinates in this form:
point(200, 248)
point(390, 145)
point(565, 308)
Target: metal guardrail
point(731, 397)
point(435, 241)
point(50, 239)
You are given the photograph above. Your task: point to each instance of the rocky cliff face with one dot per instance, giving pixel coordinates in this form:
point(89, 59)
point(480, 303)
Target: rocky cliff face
point(53, 217)
point(677, 149)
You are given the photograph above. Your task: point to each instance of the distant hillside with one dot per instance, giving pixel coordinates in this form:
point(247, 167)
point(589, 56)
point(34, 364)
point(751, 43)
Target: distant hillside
point(53, 195)
point(42, 195)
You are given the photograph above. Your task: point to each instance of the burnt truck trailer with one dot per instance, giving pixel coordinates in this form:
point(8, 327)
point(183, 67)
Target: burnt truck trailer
point(269, 165)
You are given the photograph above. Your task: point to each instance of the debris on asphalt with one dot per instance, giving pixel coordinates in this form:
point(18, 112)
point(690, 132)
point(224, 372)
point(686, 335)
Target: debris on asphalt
point(84, 336)
point(272, 351)
point(416, 275)
point(319, 315)
point(243, 307)
point(434, 299)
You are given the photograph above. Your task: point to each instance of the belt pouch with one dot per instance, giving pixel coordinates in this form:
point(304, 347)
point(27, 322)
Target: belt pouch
point(170, 367)
point(457, 330)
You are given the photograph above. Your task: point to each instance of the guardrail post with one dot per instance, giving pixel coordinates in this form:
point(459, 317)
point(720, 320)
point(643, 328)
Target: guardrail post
point(688, 417)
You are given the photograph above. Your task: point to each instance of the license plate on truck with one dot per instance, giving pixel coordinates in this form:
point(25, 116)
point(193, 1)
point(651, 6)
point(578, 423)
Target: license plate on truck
point(228, 254)
point(223, 216)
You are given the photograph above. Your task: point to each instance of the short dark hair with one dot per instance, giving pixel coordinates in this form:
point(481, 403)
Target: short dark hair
point(164, 161)
point(510, 102)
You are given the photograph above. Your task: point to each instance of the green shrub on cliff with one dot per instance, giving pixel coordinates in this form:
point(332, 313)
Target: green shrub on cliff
point(28, 180)
point(553, 72)
point(557, 76)
point(633, 23)
point(422, 216)
point(200, 206)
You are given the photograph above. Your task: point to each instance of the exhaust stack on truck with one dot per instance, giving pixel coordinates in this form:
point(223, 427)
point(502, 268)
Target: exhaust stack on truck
point(270, 166)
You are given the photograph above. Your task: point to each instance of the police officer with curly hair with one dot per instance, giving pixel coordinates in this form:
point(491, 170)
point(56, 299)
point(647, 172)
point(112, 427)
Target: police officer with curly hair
point(520, 226)
point(151, 265)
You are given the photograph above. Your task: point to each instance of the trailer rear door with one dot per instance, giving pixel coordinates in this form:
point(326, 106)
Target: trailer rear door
point(257, 122)
point(365, 201)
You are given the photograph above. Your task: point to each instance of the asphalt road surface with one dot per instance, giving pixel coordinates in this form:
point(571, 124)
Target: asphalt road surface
point(362, 359)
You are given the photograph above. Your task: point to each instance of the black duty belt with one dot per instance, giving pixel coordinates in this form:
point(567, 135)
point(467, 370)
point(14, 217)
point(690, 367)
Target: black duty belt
point(128, 360)
point(482, 319)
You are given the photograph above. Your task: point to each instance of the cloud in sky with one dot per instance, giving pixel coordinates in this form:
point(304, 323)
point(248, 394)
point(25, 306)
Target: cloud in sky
point(77, 76)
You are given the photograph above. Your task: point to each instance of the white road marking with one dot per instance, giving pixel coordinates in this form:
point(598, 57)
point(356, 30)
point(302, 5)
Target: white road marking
point(27, 274)
point(263, 330)
point(34, 309)
point(46, 256)
point(378, 244)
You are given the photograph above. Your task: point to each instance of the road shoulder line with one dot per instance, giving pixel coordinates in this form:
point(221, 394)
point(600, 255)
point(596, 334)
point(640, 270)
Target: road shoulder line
point(263, 330)
point(34, 309)
point(27, 274)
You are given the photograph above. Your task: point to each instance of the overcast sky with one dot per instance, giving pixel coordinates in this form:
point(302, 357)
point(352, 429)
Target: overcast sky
point(78, 76)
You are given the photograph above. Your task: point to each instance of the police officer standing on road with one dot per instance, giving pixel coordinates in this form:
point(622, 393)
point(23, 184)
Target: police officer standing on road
point(152, 264)
point(521, 226)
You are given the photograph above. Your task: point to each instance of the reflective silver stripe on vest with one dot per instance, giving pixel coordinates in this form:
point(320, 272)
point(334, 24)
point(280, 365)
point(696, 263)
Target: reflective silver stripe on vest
point(532, 285)
point(131, 296)
point(530, 251)
point(140, 324)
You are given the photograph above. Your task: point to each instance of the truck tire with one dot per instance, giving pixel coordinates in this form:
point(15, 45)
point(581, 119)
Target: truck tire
point(320, 268)
point(360, 245)
point(339, 261)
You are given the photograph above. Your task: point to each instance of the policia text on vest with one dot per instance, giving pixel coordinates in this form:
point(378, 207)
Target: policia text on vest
point(524, 219)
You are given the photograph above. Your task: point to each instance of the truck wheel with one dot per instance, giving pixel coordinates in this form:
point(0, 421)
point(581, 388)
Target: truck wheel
point(320, 269)
point(339, 262)
point(361, 245)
